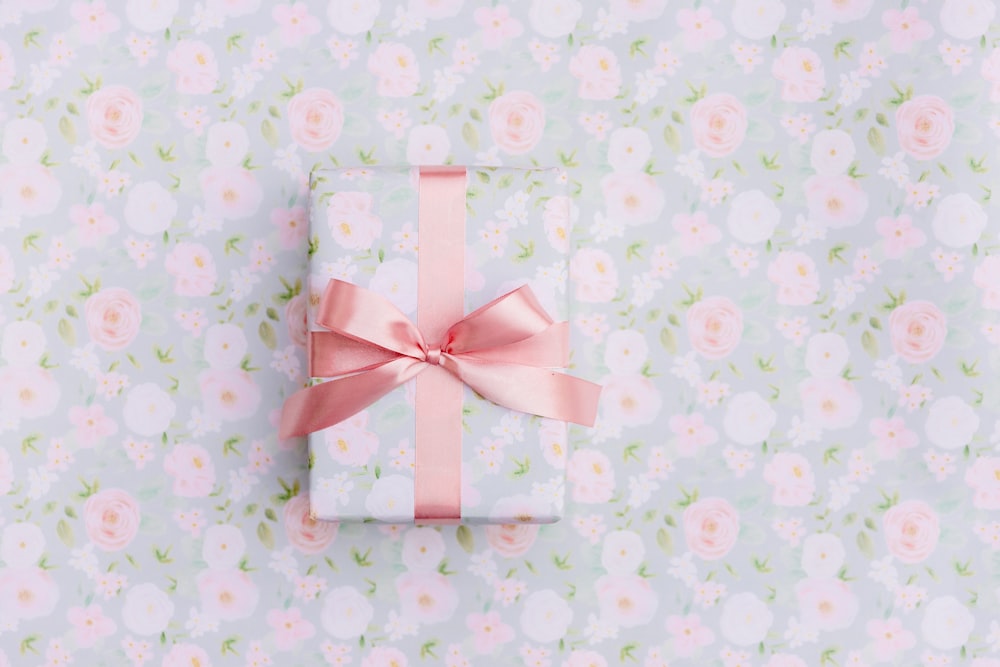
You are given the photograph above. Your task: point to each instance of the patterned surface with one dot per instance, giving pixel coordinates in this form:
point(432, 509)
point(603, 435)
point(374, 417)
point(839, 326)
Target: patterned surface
point(786, 279)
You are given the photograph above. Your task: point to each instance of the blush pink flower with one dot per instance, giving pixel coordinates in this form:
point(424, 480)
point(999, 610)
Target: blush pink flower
point(597, 70)
point(906, 28)
point(292, 224)
point(383, 656)
point(497, 25)
point(91, 424)
point(114, 116)
point(826, 604)
point(899, 235)
point(184, 655)
point(829, 403)
point(792, 479)
point(924, 126)
point(231, 193)
point(983, 477)
point(632, 199)
point(718, 124)
point(837, 201)
point(714, 326)
point(295, 23)
point(625, 601)
point(193, 269)
point(688, 634)
point(594, 274)
point(111, 518)
point(226, 595)
point(302, 531)
point(350, 443)
point(801, 72)
point(92, 223)
point(488, 631)
point(592, 476)
point(711, 527)
point(630, 400)
point(989, 70)
point(93, 20)
point(29, 190)
point(290, 628)
point(796, 276)
point(27, 593)
point(195, 65)
point(29, 392)
point(426, 597)
point(917, 330)
point(890, 638)
point(581, 658)
point(296, 317)
point(695, 232)
point(229, 394)
point(892, 436)
point(352, 223)
point(90, 624)
point(699, 27)
point(113, 317)
point(397, 70)
point(911, 529)
point(517, 121)
point(192, 469)
point(692, 433)
point(987, 278)
point(315, 119)
point(515, 538)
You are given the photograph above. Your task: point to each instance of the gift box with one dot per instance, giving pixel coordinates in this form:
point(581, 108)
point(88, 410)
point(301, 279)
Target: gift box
point(436, 317)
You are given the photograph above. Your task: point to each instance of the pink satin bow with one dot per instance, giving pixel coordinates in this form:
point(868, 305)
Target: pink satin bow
point(504, 351)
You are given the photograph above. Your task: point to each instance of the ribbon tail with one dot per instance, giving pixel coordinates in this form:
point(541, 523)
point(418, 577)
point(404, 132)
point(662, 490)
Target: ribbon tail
point(538, 391)
point(323, 405)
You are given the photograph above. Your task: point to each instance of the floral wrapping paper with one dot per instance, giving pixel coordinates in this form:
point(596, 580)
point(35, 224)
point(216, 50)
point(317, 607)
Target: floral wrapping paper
point(363, 227)
point(784, 272)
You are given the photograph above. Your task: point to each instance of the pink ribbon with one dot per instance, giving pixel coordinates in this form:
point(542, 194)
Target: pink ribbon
point(505, 351)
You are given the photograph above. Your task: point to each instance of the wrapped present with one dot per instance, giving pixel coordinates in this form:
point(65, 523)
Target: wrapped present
point(437, 335)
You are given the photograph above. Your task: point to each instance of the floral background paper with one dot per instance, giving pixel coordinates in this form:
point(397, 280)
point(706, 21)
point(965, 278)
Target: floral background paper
point(786, 278)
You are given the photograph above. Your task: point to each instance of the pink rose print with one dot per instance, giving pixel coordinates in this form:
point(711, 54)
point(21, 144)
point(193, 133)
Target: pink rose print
point(718, 124)
point(193, 269)
point(785, 660)
point(384, 656)
point(630, 400)
point(699, 28)
point(987, 278)
point(633, 199)
point(186, 655)
point(114, 116)
point(899, 235)
point(517, 121)
point(829, 403)
point(826, 604)
point(688, 634)
point(397, 70)
point(625, 601)
point(488, 631)
point(801, 73)
point(924, 126)
point(792, 479)
point(837, 201)
point(511, 540)
point(92, 223)
point(111, 518)
point(557, 221)
point(911, 530)
point(90, 624)
point(29, 190)
point(890, 637)
point(498, 25)
point(638, 10)
point(292, 224)
point(892, 436)
point(906, 28)
point(917, 330)
point(7, 69)
point(227, 595)
point(93, 20)
point(795, 275)
point(290, 628)
point(711, 526)
point(29, 392)
point(315, 118)
point(350, 443)
point(714, 326)
point(990, 70)
point(231, 193)
point(195, 65)
point(229, 394)
point(294, 22)
point(597, 69)
point(303, 532)
point(91, 424)
point(592, 476)
point(594, 274)
point(692, 433)
point(27, 593)
point(296, 318)
point(843, 11)
point(351, 221)
point(983, 477)
point(578, 658)
point(426, 597)
point(113, 316)
point(192, 469)
point(695, 232)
